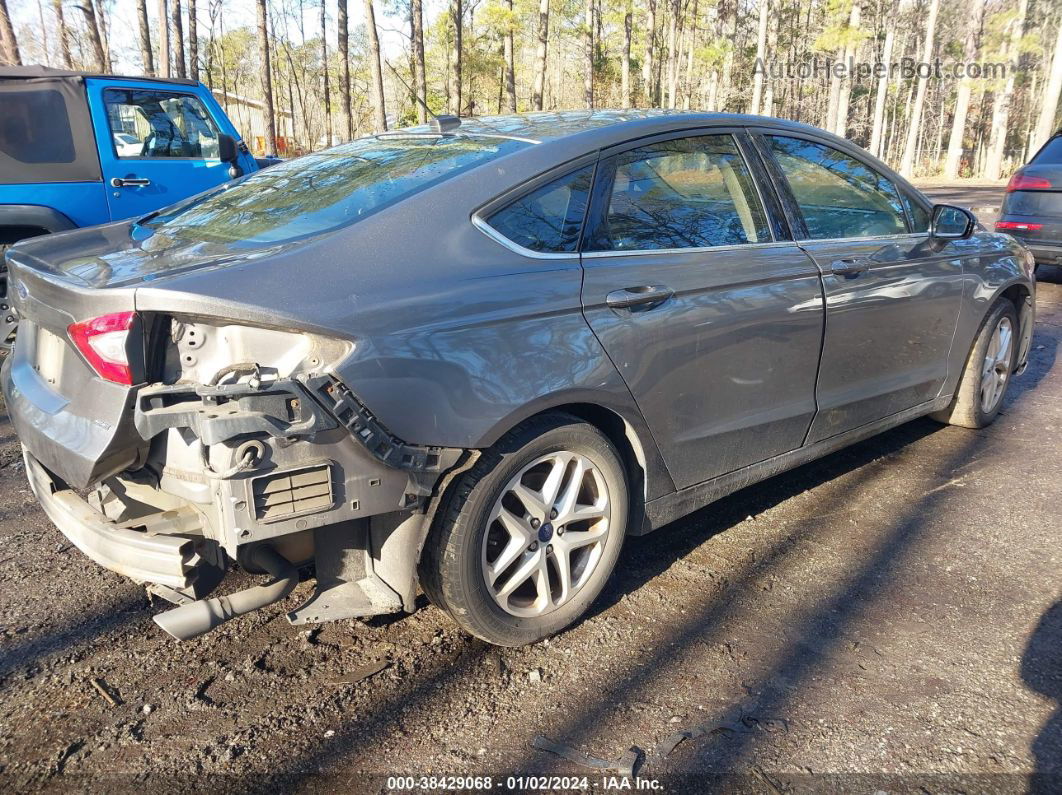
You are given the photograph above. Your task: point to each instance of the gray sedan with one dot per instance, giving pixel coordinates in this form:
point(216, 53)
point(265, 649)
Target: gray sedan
point(472, 357)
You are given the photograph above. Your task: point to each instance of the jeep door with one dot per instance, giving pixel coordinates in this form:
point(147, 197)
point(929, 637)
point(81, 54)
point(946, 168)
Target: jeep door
point(892, 295)
point(712, 316)
point(178, 153)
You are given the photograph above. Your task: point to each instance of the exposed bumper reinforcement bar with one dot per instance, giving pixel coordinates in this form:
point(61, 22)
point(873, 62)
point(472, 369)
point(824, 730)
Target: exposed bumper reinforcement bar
point(166, 559)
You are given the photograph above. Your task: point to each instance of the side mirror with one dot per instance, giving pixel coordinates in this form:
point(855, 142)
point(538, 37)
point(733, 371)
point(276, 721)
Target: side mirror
point(951, 223)
point(228, 153)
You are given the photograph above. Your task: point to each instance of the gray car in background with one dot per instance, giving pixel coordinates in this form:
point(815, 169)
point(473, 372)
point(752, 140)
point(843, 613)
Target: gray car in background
point(473, 358)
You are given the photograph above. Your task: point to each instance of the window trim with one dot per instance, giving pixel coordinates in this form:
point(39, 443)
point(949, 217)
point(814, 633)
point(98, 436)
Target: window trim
point(782, 184)
point(122, 158)
point(481, 214)
point(606, 172)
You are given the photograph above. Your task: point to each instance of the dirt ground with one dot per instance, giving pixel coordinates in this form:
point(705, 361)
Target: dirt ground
point(887, 618)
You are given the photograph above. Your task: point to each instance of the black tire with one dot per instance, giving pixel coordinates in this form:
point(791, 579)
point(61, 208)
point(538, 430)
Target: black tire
point(967, 409)
point(451, 567)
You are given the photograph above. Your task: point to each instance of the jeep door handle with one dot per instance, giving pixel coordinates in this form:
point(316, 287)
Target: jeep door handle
point(646, 296)
point(850, 266)
point(129, 182)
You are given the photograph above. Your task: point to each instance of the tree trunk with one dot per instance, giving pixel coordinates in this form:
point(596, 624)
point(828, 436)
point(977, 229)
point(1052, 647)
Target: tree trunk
point(538, 87)
point(844, 92)
point(877, 127)
point(691, 45)
point(193, 41)
point(647, 64)
point(379, 111)
point(1045, 125)
point(325, 92)
point(769, 53)
point(625, 57)
point(105, 39)
point(164, 39)
point(672, 53)
point(266, 78)
point(11, 55)
point(907, 163)
point(178, 40)
point(761, 60)
point(64, 36)
point(962, 97)
point(344, 64)
point(997, 139)
point(509, 55)
point(85, 7)
point(147, 59)
point(588, 54)
point(454, 74)
point(421, 83)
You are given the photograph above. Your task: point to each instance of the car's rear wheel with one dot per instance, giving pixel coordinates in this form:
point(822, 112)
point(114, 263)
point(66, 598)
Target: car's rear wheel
point(529, 536)
point(987, 372)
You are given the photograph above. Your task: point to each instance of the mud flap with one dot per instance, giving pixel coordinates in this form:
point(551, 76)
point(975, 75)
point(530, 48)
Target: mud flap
point(347, 587)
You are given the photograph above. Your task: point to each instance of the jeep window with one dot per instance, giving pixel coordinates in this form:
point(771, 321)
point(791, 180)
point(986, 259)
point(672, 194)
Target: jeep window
point(548, 219)
point(326, 190)
point(165, 124)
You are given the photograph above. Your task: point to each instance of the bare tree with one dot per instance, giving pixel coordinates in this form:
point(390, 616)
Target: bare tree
point(10, 53)
point(914, 129)
point(64, 36)
point(962, 95)
point(100, 59)
point(877, 125)
point(648, 73)
point(164, 39)
point(344, 67)
point(193, 41)
point(178, 39)
point(1045, 125)
point(324, 76)
point(105, 38)
point(625, 57)
point(379, 111)
point(266, 78)
point(538, 88)
point(420, 82)
point(761, 58)
point(588, 54)
point(146, 57)
point(454, 84)
point(851, 50)
point(510, 59)
point(1001, 106)
point(673, 52)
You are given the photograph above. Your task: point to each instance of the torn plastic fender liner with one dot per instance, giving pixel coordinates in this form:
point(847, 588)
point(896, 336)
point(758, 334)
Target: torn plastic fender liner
point(216, 414)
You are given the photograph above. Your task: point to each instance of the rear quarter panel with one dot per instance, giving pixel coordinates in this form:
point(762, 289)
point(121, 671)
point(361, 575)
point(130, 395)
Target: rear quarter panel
point(83, 203)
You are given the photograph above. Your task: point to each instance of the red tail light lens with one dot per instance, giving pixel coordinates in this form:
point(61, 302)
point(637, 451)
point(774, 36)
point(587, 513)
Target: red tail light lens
point(102, 341)
point(1021, 182)
point(1003, 226)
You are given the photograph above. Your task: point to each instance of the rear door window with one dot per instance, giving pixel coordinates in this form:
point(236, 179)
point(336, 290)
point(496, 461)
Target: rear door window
point(838, 195)
point(681, 193)
point(547, 220)
point(160, 124)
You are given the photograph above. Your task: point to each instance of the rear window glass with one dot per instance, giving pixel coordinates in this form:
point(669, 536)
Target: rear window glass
point(1051, 154)
point(35, 128)
point(324, 191)
point(548, 219)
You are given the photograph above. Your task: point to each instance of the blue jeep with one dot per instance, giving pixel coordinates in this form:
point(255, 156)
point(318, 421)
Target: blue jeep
point(78, 149)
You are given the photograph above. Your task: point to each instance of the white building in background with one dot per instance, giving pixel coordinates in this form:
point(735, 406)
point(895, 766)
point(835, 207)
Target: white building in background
point(249, 117)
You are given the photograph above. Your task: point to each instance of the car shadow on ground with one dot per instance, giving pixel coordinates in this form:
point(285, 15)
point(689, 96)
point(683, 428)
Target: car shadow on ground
point(1041, 670)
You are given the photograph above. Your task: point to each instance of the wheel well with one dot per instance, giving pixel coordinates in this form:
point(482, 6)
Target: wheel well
point(13, 234)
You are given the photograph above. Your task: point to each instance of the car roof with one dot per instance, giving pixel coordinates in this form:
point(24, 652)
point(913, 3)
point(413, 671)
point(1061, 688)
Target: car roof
point(37, 72)
point(543, 126)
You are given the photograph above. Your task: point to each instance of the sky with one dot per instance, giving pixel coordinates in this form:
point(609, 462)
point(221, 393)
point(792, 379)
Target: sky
point(237, 13)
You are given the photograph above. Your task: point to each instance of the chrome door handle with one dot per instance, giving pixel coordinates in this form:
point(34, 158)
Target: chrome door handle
point(129, 182)
point(850, 266)
point(646, 296)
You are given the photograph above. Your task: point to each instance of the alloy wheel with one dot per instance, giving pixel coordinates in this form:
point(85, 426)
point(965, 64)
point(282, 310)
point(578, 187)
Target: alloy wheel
point(996, 368)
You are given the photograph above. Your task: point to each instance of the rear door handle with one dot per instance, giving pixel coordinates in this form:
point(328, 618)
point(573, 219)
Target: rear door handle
point(129, 182)
point(646, 296)
point(850, 266)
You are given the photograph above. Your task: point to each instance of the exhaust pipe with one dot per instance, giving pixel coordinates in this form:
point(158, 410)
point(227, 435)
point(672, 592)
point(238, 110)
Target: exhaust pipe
point(190, 620)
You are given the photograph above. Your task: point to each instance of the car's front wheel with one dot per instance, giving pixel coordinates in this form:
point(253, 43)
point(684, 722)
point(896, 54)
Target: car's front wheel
point(989, 366)
point(529, 536)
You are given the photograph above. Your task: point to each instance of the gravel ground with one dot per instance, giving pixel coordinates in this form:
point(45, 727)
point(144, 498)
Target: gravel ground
point(889, 616)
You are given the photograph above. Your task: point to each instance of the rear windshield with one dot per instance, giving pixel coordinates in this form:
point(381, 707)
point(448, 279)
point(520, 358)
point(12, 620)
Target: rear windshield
point(1051, 154)
point(325, 191)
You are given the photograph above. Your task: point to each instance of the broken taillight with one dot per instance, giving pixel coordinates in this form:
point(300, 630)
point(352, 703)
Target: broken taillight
point(102, 341)
point(1022, 182)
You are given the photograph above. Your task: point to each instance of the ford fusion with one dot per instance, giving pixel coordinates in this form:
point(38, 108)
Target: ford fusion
point(471, 358)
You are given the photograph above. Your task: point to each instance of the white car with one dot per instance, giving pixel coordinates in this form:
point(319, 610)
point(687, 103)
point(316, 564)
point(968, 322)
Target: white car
point(128, 145)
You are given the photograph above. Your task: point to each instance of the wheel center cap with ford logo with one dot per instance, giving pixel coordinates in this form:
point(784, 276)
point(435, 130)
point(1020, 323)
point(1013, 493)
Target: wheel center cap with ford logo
point(545, 532)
